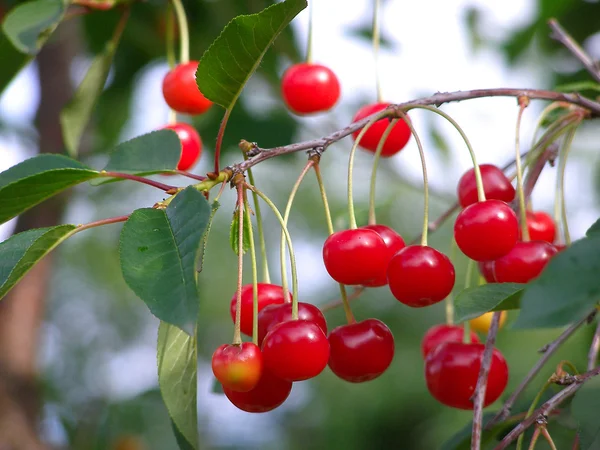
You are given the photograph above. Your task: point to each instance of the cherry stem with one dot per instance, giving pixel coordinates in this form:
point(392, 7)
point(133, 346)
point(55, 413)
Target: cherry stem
point(127, 176)
point(356, 293)
point(545, 112)
point(546, 435)
point(534, 438)
point(254, 274)
point(531, 409)
point(523, 103)
point(309, 43)
point(237, 337)
point(468, 279)
point(376, 40)
point(562, 169)
point(450, 299)
point(378, 150)
point(190, 175)
point(99, 223)
point(220, 135)
point(594, 348)
point(184, 34)
point(266, 277)
point(170, 36)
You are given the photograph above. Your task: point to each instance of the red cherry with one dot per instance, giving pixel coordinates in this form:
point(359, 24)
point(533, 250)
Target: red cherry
point(396, 140)
point(495, 185)
point(269, 393)
point(355, 256)
point(486, 268)
point(486, 230)
point(191, 144)
point(268, 294)
point(275, 314)
point(238, 367)
point(560, 247)
point(524, 262)
point(541, 226)
point(438, 334)
point(310, 88)
point(452, 369)
point(361, 351)
point(181, 91)
point(394, 244)
point(295, 350)
point(420, 276)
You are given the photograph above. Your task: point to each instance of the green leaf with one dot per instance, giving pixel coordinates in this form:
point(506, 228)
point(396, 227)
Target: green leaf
point(594, 230)
point(177, 378)
point(585, 411)
point(30, 24)
point(234, 233)
point(234, 56)
point(36, 179)
point(22, 251)
point(200, 263)
point(475, 301)
point(579, 86)
point(567, 289)
point(180, 439)
point(158, 253)
point(12, 62)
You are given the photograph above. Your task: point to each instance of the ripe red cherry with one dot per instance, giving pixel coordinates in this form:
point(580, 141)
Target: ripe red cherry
point(452, 369)
point(541, 226)
point(394, 244)
point(524, 262)
point(438, 334)
point(420, 276)
point(295, 350)
point(396, 140)
point(238, 367)
point(361, 351)
point(268, 294)
point(269, 393)
point(495, 185)
point(191, 144)
point(275, 314)
point(487, 230)
point(310, 88)
point(486, 268)
point(355, 256)
point(181, 91)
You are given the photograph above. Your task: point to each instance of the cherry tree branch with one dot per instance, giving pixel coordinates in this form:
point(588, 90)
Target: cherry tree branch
point(594, 348)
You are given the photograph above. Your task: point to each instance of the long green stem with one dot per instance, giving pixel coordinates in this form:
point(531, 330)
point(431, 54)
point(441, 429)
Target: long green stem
point(548, 438)
point(531, 409)
point(266, 277)
point(520, 191)
point(376, 39)
point(378, 150)
point(534, 438)
point(254, 275)
point(170, 36)
point(309, 44)
point(237, 337)
point(467, 324)
point(184, 34)
point(562, 168)
point(545, 112)
point(450, 298)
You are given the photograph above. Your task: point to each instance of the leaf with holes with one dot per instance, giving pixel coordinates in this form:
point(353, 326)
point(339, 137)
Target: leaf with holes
point(475, 301)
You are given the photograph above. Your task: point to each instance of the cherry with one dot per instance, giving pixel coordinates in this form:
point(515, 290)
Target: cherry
point(296, 350)
point(541, 226)
point(268, 294)
point(396, 140)
point(486, 268)
point(486, 230)
point(238, 367)
point(355, 256)
point(394, 244)
point(269, 393)
point(452, 369)
point(191, 144)
point(275, 314)
point(483, 322)
point(310, 88)
point(181, 91)
point(524, 262)
point(361, 351)
point(495, 185)
point(438, 334)
point(420, 276)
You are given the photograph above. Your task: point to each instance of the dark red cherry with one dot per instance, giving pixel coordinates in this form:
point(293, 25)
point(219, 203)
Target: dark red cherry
point(487, 230)
point(191, 144)
point(355, 256)
point(295, 350)
point(486, 268)
point(181, 91)
point(238, 367)
point(394, 244)
point(420, 276)
point(268, 294)
point(495, 185)
point(396, 140)
point(452, 369)
point(361, 351)
point(310, 88)
point(541, 226)
point(524, 262)
point(275, 314)
point(269, 393)
point(438, 334)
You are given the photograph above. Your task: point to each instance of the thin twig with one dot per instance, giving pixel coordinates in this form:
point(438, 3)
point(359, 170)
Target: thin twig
point(594, 348)
point(128, 176)
point(355, 294)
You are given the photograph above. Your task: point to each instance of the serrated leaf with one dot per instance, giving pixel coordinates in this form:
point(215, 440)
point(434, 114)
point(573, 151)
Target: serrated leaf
point(594, 230)
point(584, 408)
point(36, 179)
point(30, 24)
point(234, 234)
point(177, 378)
point(475, 301)
point(158, 251)
point(234, 56)
point(22, 251)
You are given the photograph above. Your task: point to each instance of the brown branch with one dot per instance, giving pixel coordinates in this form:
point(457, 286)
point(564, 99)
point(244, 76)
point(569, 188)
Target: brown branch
point(594, 348)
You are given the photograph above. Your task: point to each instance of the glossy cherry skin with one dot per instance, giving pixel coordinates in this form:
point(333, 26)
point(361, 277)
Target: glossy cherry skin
point(310, 88)
point(361, 351)
point(420, 276)
point(495, 185)
point(541, 226)
point(394, 244)
point(486, 230)
point(486, 268)
point(191, 144)
point(238, 367)
point(396, 140)
point(275, 314)
point(268, 294)
point(181, 91)
point(355, 256)
point(452, 369)
point(524, 262)
point(438, 334)
point(269, 393)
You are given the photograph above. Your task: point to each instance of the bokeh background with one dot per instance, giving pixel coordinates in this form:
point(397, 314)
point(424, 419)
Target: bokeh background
point(97, 342)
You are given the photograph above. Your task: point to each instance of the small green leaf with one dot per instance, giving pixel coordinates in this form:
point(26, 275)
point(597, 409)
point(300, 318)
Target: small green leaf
point(585, 411)
point(36, 179)
point(234, 233)
point(177, 378)
point(594, 230)
point(475, 301)
point(234, 56)
point(22, 251)
point(158, 251)
point(30, 24)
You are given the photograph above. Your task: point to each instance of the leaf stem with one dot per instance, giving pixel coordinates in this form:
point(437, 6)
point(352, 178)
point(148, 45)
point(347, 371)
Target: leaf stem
point(376, 39)
point(523, 103)
point(254, 274)
point(378, 150)
point(220, 135)
point(127, 176)
point(184, 34)
point(99, 223)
